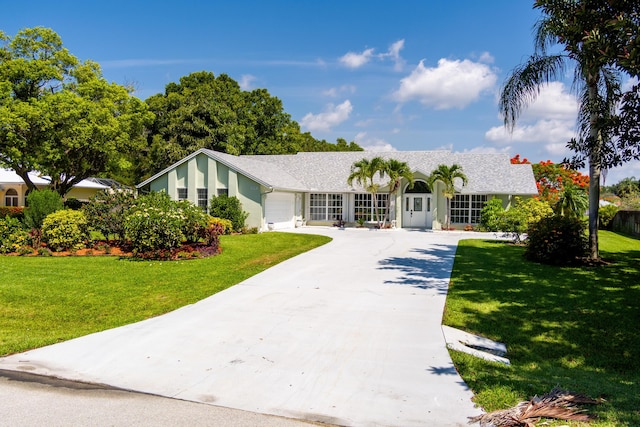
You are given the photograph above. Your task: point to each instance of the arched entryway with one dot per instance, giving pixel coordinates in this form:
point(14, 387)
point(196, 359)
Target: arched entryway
point(417, 206)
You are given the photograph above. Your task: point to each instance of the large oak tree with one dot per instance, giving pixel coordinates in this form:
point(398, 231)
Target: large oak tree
point(59, 116)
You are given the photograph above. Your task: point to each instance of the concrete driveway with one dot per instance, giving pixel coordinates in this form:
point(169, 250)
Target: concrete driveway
point(347, 334)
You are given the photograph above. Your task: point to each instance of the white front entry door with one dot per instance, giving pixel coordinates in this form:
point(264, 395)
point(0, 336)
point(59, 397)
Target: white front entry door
point(417, 211)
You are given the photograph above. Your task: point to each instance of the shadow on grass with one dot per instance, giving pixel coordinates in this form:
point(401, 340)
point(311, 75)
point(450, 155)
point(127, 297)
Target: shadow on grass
point(572, 327)
point(428, 269)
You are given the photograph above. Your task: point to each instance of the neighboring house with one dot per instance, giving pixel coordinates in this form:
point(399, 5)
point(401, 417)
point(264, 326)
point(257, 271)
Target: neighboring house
point(13, 190)
point(283, 191)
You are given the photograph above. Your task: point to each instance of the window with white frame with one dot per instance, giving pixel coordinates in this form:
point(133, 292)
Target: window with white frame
point(11, 197)
point(363, 207)
point(182, 194)
point(203, 198)
point(465, 208)
point(325, 207)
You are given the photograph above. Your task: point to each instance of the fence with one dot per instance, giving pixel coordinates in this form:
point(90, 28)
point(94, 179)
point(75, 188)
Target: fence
point(627, 222)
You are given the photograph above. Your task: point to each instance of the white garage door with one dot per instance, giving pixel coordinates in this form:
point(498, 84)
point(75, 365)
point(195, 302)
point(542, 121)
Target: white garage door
point(279, 210)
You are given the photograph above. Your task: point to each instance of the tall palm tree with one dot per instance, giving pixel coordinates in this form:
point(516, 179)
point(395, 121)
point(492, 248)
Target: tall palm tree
point(596, 83)
point(363, 172)
point(572, 202)
point(396, 171)
point(447, 176)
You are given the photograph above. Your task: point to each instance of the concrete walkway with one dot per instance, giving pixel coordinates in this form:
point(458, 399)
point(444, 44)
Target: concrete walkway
point(348, 334)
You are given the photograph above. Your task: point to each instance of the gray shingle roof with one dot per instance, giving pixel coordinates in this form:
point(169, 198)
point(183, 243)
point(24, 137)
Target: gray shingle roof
point(328, 171)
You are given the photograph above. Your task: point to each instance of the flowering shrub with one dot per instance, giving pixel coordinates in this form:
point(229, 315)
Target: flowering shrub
point(195, 221)
point(65, 230)
point(106, 212)
point(12, 211)
point(230, 208)
point(12, 235)
point(227, 226)
point(154, 223)
point(556, 240)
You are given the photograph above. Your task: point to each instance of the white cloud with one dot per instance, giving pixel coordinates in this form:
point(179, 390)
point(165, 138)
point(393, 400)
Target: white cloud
point(357, 60)
point(549, 122)
point(333, 115)
point(486, 57)
point(627, 170)
point(452, 84)
point(486, 150)
point(373, 144)
point(334, 92)
point(245, 81)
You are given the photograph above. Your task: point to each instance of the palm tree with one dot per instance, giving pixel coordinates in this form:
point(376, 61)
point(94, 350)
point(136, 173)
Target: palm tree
point(363, 172)
point(447, 176)
point(573, 202)
point(396, 171)
point(596, 83)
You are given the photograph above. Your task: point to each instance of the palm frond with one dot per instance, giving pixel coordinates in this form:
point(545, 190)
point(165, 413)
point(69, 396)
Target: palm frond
point(523, 86)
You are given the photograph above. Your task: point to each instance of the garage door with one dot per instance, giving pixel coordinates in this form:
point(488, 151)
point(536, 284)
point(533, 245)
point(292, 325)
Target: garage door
point(279, 210)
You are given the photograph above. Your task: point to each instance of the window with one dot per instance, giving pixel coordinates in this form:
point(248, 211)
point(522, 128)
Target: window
point(465, 208)
point(325, 207)
point(203, 198)
point(363, 206)
point(221, 191)
point(182, 194)
point(11, 197)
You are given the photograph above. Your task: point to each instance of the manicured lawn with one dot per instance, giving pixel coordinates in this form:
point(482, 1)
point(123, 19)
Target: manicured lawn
point(44, 300)
point(577, 328)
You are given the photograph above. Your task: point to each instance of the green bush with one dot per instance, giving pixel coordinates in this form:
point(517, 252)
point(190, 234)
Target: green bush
point(40, 204)
point(230, 208)
point(605, 216)
point(12, 235)
point(557, 240)
point(195, 221)
point(12, 211)
point(227, 226)
point(154, 223)
point(65, 230)
point(491, 215)
point(106, 212)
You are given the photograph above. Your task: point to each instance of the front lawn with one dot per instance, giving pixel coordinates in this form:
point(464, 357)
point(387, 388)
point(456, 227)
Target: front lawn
point(44, 300)
point(576, 328)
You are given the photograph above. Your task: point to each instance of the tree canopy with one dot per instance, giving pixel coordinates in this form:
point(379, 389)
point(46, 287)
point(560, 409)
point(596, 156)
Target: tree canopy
point(205, 111)
point(59, 116)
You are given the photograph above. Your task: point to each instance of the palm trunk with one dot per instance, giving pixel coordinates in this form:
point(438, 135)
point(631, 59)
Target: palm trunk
point(594, 169)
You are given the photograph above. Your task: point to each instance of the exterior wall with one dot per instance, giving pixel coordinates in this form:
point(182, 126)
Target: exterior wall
point(82, 194)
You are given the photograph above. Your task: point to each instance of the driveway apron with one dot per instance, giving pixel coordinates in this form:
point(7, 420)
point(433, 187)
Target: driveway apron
point(348, 334)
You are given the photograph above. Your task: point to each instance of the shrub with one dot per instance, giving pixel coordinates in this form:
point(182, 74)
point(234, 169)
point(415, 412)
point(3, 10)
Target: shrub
point(195, 221)
point(535, 209)
point(557, 240)
point(41, 203)
point(230, 208)
point(605, 216)
point(12, 235)
point(12, 211)
point(227, 226)
point(514, 222)
point(73, 203)
point(154, 223)
point(25, 250)
point(65, 230)
point(44, 252)
point(491, 215)
point(106, 212)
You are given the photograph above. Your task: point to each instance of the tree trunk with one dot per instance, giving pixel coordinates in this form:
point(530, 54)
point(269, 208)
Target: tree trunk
point(595, 144)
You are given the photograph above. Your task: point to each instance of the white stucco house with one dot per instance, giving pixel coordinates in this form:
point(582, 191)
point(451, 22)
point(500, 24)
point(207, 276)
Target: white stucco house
point(283, 191)
point(13, 190)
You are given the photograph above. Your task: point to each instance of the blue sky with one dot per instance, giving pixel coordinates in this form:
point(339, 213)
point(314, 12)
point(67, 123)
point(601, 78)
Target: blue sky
point(390, 75)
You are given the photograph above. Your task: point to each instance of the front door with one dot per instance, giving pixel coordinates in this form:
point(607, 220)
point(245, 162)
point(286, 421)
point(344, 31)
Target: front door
point(417, 211)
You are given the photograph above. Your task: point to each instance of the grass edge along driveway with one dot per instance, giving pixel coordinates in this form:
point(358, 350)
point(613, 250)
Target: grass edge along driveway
point(45, 300)
point(576, 328)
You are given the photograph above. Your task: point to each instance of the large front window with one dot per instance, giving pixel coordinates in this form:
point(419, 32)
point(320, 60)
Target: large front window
point(465, 208)
point(203, 200)
point(363, 207)
point(11, 197)
point(325, 207)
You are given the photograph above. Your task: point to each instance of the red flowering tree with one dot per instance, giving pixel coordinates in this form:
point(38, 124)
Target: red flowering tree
point(552, 178)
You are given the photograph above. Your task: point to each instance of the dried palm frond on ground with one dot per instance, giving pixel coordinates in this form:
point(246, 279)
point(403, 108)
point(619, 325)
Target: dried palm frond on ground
point(558, 403)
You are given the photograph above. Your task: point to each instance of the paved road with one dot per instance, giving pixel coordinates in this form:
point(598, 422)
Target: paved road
point(346, 334)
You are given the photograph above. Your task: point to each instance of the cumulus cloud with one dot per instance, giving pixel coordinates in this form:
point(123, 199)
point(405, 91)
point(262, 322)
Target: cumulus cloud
point(548, 122)
point(452, 84)
point(373, 144)
point(358, 59)
point(332, 115)
point(486, 58)
point(245, 81)
point(486, 150)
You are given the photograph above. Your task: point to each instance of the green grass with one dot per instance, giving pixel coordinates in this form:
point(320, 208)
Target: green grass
point(44, 300)
point(577, 328)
